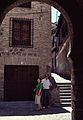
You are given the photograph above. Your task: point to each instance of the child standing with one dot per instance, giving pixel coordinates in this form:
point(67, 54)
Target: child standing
point(38, 94)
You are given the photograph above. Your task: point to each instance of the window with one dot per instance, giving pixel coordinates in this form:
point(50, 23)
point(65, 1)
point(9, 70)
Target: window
point(25, 5)
point(21, 33)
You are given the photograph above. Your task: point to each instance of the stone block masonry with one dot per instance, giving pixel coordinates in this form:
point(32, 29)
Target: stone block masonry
point(40, 53)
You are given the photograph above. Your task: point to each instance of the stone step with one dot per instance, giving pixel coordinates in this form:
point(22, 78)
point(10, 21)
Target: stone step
point(65, 97)
point(64, 88)
point(65, 94)
point(66, 104)
point(65, 100)
point(65, 91)
point(64, 84)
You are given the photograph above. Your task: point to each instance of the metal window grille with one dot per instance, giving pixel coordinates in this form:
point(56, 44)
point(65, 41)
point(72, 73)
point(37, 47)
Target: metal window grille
point(21, 32)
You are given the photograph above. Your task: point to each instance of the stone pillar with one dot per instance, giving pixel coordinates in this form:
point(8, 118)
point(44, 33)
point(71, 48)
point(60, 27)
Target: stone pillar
point(77, 95)
point(77, 83)
point(77, 69)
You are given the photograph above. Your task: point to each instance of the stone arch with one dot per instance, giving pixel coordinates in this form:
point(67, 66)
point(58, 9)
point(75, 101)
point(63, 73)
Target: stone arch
point(74, 7)
point(56, 5)
point(50, 2)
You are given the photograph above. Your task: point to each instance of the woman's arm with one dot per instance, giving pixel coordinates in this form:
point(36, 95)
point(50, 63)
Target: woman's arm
point(39, 92)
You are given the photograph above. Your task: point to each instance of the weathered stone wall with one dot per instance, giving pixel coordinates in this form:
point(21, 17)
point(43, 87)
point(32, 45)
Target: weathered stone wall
point(62, 63)
point(54, 99)
point(40, 54)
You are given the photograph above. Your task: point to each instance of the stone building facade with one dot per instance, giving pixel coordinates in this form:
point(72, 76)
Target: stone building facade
point(37, 53)
point(54, 39)
point(61, 48)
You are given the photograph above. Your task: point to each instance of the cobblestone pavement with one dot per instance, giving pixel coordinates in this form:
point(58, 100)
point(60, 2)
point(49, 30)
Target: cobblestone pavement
point(26, 111)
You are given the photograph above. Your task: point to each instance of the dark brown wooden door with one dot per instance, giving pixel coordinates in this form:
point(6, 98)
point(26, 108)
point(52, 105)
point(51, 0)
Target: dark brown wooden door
point(19, 82)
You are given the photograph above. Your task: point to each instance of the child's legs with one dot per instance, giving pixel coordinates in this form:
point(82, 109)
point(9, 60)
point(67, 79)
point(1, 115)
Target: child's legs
point(37, 101)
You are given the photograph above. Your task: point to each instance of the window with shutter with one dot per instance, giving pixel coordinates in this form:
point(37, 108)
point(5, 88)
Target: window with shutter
point(21, 33)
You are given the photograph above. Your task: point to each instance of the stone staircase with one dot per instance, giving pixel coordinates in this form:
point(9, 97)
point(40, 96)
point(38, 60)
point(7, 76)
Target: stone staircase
point(65, 93)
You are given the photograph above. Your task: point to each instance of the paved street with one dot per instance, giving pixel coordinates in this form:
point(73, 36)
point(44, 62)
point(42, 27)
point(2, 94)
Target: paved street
point(26, 111)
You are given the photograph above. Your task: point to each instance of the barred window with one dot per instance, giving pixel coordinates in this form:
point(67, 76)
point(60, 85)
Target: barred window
point(21, 33)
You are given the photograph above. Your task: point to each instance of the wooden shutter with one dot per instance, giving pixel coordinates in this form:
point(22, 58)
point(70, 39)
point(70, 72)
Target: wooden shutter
point(21, 32)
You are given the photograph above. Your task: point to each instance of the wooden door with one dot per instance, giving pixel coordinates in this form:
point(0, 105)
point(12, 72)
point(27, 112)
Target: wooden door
point(19, 82)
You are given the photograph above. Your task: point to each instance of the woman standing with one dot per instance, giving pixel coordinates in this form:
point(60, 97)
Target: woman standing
point(38, 94)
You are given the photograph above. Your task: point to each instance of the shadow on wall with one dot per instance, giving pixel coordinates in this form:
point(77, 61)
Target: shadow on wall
point(54, 93)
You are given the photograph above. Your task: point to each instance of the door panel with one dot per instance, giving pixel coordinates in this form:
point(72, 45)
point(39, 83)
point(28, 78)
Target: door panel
point(19, 82)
